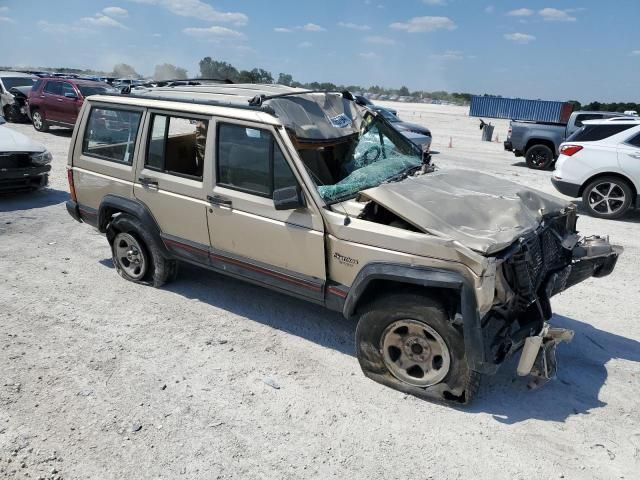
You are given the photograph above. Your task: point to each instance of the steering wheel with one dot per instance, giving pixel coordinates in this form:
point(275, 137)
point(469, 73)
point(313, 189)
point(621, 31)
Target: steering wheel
point(371, 155)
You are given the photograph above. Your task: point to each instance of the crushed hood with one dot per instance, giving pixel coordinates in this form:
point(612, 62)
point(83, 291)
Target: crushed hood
point(482, 212)
point(12, 141)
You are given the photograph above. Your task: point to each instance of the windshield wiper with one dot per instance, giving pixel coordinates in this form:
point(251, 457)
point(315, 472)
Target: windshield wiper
point(403, 174)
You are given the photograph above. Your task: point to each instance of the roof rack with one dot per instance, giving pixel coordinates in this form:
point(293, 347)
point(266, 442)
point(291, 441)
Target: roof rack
point(215, 103)
point(258, 99)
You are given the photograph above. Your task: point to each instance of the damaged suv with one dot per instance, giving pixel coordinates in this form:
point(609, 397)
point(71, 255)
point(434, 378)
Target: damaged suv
point(448, 272)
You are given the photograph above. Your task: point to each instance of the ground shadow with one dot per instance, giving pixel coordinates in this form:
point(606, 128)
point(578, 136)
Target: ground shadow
point(270, 308)
point(522, 164)
point(15, 202)
point(632, 215)
point(61, 132)
point(582, 373)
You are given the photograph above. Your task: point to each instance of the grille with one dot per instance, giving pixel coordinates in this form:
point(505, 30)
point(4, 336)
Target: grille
point(14, 160)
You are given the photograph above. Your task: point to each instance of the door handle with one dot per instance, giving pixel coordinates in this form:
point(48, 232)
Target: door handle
point(59, 99)
point(219, 200)
point(148, 182)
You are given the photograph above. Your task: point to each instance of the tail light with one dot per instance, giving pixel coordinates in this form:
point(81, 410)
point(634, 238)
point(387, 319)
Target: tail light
point(570, 150)
point(72, 187)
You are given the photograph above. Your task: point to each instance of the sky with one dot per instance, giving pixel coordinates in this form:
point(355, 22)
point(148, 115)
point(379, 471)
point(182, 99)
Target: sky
point(550, 49)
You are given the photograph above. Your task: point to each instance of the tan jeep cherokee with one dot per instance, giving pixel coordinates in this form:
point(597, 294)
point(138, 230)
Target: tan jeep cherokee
point(447, 272)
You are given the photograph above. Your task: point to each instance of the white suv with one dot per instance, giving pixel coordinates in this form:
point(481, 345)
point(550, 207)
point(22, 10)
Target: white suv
point(601, 163)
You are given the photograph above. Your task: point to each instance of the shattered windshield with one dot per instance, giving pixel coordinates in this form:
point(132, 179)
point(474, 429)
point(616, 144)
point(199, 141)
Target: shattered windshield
point(378, 154)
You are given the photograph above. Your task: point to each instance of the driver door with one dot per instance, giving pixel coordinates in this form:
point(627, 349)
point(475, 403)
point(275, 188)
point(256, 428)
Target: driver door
point(282, 249)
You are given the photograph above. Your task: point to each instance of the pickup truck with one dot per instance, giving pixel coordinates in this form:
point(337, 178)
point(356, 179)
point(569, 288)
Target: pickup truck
point(538, 142)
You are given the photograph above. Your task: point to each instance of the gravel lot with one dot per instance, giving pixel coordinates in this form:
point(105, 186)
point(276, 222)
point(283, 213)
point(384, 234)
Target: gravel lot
point(213, 378)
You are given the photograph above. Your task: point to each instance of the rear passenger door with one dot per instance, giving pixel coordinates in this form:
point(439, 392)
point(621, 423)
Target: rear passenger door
point(170, 180)
point(249, 237)
point(629, 157)
point(51, 100)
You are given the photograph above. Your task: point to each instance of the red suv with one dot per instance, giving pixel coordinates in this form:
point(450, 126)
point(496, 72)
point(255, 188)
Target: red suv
point(57, 101)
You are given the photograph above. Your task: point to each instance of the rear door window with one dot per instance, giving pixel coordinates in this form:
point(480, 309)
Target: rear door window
point(593, 133)
point(250, 160)
point(635, 141)
point(177, 145)
point(68, 88)
point(53, 88)
point(110, 134)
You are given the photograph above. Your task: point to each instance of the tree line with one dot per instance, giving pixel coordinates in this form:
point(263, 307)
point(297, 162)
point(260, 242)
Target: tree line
point(210, 68)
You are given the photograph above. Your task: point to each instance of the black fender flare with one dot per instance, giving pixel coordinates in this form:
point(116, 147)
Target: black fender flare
point(134, 208)
point(435, 278)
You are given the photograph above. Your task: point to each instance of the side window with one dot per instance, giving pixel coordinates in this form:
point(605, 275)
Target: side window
point(177, 145)
point(593, 133)
point(54, 88)
point(249, 160)
point(37, 85)
point(111, 134)
point(67, 88)
point(587, 116)
point(635, 141)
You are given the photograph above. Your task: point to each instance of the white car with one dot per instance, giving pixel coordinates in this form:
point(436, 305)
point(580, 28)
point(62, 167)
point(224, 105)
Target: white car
point(24, 164)
point(601, 163)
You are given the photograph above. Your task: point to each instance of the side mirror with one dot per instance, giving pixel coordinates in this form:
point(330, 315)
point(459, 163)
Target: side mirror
point(70, 95)
point(288, 198)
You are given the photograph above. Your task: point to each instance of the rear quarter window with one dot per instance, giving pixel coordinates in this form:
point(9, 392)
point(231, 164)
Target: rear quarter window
point(110, 134)
point(593, 133)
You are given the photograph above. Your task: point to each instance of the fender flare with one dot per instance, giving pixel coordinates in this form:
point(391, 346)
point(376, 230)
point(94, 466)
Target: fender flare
point(435, 278)
point(134, 208)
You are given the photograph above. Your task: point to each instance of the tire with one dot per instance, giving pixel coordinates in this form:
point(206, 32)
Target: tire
point(38, 121)
point(607, 197)
point(10, 114)
point(382, 324)
point(539, 157)
point(154, 268)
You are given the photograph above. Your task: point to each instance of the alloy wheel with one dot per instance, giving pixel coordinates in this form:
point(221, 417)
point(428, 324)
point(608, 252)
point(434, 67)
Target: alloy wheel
point(415, 353)
point(37, 120)
point(606, 198)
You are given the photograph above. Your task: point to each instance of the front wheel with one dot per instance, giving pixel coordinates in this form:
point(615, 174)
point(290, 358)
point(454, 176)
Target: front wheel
point(407, 342)
point(539, 157)
point(607, 197)
point(39, 123)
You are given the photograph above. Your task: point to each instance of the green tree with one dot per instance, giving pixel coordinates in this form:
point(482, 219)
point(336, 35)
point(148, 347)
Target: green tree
point(285, 79)
point(210, 68)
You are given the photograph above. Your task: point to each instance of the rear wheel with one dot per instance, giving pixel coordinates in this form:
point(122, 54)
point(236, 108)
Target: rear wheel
point(136, 255)
point(539, 157)
point(607, 197)
point(407, 342)
point(39, 123)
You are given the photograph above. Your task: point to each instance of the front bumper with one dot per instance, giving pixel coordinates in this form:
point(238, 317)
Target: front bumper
point(569, 189)
point(508, 146)
point(29, 178)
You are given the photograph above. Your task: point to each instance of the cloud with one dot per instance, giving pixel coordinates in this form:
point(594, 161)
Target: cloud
point(7, 20)
point(4, 9)
point(62, 28)
point(282, 30)
point(523, 38)
point(305, 45)
point(635, 53)
point(521, 12)
point(312, 27)
point(369, 55)
point(197, 9)
point(425, 24)
point(489, 9)
point(101, 21)
point(213, 32)
point(449, 55)
point(379, 40)
point(115, 12)
point(354, 26)
point(555, 15)
point(440, 3)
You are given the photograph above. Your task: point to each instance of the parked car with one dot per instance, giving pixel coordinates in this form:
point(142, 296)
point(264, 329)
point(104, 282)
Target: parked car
point(416, 133)
point(57, 101)
point(601, 163)
point(314, 196)
point(365, 102)
point(539, 141)
point(8, 81)
point(24, 164)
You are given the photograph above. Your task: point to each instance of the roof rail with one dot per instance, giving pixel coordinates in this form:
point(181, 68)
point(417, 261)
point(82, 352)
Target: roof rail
point(215, 103)
point(258, 99)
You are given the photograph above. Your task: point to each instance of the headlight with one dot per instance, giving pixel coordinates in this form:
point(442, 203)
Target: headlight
point(42, 158)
